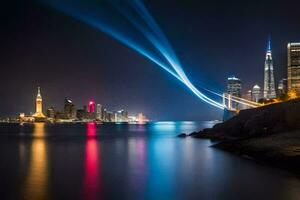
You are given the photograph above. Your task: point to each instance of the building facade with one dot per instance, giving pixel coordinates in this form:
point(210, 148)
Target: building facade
point(256, 93)
point(99, 110)
point(294, 67)
point(91, 107)
point(282, 87)
point(269, 82)
point(69, 110)
point(50, 112)
point(234, 88)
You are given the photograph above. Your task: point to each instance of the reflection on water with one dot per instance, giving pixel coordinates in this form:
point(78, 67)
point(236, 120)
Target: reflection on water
point(92, 173)
point(172, 127)
point(137, 163)
point(91, 129)
point(131, 162)
point(162, 154)
point(36, 181)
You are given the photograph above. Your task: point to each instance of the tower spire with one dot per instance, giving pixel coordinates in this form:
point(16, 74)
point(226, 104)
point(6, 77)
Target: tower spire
point(39, 93)
point(39, 106)
point(269, 44)
point(269, 83)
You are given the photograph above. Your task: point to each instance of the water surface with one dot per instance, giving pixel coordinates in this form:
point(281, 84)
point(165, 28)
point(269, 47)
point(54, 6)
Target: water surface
point(122, 161)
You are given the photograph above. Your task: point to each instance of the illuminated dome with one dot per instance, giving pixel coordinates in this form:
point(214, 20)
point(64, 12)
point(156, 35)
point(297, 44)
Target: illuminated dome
point(256, 87)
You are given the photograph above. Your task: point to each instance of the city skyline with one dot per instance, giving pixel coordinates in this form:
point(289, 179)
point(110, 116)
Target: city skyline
point(91, 112)
point(125, 81)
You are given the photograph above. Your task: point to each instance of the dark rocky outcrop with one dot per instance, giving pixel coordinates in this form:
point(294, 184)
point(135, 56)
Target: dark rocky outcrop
point(182, 135)
point(268, 134)
point(270, 119)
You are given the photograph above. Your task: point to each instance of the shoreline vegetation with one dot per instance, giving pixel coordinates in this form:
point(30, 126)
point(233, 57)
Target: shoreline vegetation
point(268, 134)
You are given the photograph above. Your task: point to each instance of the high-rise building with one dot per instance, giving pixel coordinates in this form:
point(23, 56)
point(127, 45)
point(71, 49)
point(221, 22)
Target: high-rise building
point(69, 110)
point(294, 67)
point(269, 83)
point(256, 93)
point(282, 87)
point(38, 115)
point(234, 88)
point(51, 113)
point(109, 116)
point(104, 115)
point(121, 116)
point(91, 107)
point(99, 110)
point(125, 115)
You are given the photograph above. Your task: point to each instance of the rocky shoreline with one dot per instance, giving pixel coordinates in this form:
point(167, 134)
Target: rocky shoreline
point(268, 134)
point(280, 150)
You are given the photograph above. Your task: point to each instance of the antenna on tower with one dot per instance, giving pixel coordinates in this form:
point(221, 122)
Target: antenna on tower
point(39, 92)
point(269, 44)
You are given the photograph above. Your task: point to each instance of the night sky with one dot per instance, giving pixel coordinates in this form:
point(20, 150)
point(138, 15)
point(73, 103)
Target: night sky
point(41, 46)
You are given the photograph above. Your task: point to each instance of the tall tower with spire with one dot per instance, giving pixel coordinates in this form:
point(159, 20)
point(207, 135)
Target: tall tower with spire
point(269, 83)
point(39, 106)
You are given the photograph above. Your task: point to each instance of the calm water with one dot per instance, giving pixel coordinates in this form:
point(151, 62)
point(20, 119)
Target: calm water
point(121, 161)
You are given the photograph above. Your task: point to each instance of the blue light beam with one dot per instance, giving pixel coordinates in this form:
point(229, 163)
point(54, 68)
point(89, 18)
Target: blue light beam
point(180, 75)
point(168, 53)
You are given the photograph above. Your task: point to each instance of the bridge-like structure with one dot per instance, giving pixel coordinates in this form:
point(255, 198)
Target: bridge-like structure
point(235, 103)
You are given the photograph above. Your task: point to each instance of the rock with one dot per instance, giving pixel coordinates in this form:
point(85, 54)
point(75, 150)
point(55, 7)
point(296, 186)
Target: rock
point(193, 133)
point(265, 120)
point(182, 135)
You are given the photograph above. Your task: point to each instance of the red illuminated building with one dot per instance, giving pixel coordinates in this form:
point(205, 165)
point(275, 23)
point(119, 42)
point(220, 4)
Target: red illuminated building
point(91, 107)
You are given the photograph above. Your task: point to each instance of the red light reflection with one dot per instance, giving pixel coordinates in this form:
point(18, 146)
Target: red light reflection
point(92, 178)
point(91, 129)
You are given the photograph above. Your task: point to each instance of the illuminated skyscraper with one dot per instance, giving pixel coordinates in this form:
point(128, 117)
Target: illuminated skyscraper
point(69, 110)
point(39, 106)
point(255, 93)
point(99, 113)
point(234, 88)
point(269, 83)
point(282, 87)
point(91, 107)
point(294, 67)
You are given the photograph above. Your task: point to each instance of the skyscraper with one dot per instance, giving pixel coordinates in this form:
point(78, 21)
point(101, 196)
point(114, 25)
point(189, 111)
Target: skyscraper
point(50, 112)
point(91, 107)
point(269, 83)
point(69, 110)
point(282, 87)
point(294, 67)
point(234, 88)
point(99, 109)
point(255, 93)
point(38, 115)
